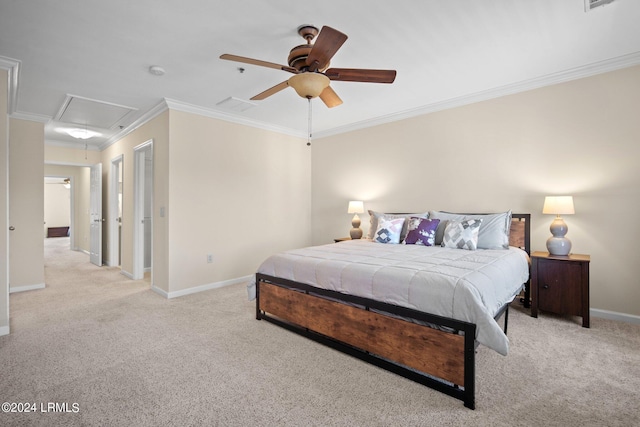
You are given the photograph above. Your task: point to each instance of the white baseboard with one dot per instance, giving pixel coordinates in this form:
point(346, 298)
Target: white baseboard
point(126, 273)
point(14, 289)
point(201, 288)
point(4, 330)
point(159, 291)
point(613, 315)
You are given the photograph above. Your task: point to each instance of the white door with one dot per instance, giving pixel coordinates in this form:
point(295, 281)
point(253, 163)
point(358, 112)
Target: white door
point(143, 218)
point(95, 215)
point(115, 220)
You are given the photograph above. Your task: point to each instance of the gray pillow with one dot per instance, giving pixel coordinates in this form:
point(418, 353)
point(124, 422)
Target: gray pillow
point(494, 230)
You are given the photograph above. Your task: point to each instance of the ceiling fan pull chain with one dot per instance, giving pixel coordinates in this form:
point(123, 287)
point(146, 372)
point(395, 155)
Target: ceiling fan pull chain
point(309, 132)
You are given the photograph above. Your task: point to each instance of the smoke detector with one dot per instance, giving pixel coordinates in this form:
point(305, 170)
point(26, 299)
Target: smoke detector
point(156, 70)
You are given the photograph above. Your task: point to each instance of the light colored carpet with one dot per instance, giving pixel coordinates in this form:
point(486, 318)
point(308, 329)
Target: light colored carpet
point(129, 357)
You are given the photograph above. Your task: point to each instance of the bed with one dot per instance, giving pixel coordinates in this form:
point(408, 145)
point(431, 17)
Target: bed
point(418, 311)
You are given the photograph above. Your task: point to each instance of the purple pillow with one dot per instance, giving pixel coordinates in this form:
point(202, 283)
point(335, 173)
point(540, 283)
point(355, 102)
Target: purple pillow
point(421, 231)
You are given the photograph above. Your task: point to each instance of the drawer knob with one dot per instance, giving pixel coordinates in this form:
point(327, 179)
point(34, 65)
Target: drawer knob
point(546, 286)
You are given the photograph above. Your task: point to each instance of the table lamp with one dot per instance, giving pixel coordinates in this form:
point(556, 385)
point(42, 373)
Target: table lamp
point(558, 205)
point(355, 207)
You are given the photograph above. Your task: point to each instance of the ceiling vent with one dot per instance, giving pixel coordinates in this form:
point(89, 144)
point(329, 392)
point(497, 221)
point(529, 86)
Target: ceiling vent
point(592, 4)
point(91, 113)
point(235, 104)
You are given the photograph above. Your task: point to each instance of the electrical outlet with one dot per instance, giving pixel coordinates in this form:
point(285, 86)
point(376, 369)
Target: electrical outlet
point(210, 258)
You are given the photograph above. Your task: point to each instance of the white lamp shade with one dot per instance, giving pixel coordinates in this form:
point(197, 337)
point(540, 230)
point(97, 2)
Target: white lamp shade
point(558, 205)
point(355, 207)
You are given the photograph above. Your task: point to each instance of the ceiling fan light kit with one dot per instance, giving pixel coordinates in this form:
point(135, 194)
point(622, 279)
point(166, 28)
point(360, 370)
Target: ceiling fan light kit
point(309, 85)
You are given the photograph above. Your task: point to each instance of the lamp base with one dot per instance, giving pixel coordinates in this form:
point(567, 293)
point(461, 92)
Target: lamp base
point(355, 233)
point(559, 246)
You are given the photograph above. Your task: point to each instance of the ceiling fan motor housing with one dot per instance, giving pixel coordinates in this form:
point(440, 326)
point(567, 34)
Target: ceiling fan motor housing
point(298, 56)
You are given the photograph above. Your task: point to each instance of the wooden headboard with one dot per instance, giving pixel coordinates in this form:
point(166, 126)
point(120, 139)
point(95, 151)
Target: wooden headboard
point(520, 234)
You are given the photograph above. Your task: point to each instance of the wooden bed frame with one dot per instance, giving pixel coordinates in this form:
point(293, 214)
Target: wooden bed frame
point(443, 359)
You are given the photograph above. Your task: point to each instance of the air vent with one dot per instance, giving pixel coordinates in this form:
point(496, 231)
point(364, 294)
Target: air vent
point(235, 104)
point(592, 4)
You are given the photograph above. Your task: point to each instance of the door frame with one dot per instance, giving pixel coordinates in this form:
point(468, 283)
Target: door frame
point(139, 153)
point(117, 167)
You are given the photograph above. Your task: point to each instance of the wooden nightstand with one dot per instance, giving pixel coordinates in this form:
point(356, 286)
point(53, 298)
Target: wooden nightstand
point(560, 284)
point(341, 239)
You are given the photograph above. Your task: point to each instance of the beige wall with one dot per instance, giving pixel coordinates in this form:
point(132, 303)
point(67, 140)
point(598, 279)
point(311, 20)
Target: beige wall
point(238, 193)
point(54, 154)
point(235, 192)
point(4, 220)
point(26, 203)
point(580, 138)
point(157, 130)
point(80, 178)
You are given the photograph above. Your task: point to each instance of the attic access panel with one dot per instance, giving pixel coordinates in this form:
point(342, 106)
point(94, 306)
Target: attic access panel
point(92, 113)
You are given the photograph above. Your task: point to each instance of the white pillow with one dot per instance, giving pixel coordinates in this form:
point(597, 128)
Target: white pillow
point(493, 234)
point(388, 230)
point(462, 234)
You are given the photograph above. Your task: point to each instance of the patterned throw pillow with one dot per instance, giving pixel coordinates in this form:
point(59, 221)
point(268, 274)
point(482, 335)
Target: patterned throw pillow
point(388, 230)
point(374, 217)
point(462, 234)
point(421, 231)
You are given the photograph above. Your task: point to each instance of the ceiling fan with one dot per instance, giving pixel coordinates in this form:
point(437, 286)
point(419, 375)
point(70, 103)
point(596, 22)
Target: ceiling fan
point(309, 64)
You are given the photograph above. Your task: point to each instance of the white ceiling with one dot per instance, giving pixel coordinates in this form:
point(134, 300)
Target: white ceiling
point(446, 52)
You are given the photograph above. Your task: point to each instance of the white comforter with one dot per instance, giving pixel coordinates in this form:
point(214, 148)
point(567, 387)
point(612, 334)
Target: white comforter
point(456, 283)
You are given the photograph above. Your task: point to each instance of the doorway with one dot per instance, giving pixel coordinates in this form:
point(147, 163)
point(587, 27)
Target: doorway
point(76, 178)
point(58, 207)
point(143, 210)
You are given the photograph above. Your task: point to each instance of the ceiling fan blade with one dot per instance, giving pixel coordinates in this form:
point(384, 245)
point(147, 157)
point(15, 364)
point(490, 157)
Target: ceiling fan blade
point(277, 88)
point(361, 75)
point(330, 97)
point(327, 44)
point(252, 61)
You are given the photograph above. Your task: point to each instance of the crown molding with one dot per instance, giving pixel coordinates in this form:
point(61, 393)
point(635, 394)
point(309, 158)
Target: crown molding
point(151, 114)
point(172, 104)
point(589, 70)
point(600, 67)
point(13, 67)
point(215, 114)
point(30, 116)
point(75, 145)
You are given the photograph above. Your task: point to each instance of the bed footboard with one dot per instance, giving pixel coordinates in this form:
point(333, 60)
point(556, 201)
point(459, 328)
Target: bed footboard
point(360, 327)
